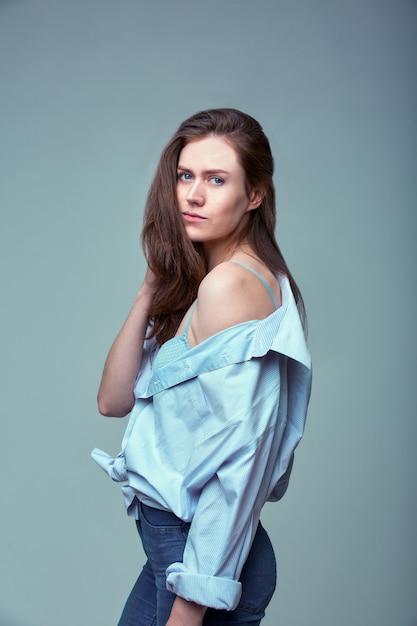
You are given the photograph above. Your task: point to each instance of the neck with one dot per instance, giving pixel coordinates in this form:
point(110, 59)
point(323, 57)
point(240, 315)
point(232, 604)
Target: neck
point(220, 254)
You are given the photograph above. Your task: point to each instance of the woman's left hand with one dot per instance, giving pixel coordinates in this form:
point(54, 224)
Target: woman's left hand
point(186, 613)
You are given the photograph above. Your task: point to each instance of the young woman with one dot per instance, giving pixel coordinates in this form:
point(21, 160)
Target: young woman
point(213, 364)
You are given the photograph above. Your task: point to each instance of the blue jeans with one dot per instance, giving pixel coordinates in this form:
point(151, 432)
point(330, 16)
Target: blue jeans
point(163, 537)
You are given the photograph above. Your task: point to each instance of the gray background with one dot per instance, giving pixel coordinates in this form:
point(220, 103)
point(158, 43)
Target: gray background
point(91, 90)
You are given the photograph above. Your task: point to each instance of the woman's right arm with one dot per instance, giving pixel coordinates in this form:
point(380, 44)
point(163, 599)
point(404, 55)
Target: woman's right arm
point(115, 395)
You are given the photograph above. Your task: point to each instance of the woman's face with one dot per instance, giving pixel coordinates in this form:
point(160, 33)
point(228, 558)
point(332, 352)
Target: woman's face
point(211, 191)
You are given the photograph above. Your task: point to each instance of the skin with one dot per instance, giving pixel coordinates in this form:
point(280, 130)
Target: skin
point(213, 200)
point(212, 195)
point(215, 205)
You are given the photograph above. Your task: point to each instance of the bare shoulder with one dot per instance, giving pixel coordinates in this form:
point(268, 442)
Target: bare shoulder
point(230, 294)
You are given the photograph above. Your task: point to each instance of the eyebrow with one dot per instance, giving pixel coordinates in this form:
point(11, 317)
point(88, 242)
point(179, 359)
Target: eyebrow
point(213, 171)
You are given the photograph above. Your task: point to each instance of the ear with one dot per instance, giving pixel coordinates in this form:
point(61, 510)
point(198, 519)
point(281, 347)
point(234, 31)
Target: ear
point(255, 198)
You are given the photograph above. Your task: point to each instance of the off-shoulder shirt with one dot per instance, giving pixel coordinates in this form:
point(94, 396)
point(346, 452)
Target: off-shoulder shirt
point(211, 438)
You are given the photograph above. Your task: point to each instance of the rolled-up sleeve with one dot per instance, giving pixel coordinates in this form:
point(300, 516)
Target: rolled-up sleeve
point(228, 509)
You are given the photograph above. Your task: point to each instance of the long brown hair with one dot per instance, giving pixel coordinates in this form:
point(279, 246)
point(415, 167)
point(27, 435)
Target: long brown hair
point(178, 263)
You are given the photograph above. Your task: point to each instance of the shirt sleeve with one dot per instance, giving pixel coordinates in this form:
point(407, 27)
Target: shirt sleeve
point(227, 513)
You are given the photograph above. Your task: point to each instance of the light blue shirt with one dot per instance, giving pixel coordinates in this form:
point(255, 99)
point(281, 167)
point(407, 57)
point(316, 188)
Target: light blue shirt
point(211, 438)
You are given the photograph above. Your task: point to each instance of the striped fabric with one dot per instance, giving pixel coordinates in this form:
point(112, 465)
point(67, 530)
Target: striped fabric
point(212, 437)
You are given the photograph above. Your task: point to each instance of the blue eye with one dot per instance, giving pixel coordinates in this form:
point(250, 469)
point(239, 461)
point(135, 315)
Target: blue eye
point(217, 180)
point(184, 176)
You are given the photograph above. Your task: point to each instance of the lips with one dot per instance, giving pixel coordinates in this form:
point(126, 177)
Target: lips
point(189, 216)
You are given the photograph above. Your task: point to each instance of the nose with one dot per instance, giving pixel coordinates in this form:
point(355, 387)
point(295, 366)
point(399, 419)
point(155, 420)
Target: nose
point(195, 193)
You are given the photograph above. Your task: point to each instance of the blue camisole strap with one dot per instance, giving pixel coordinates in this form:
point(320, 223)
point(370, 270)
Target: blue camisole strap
point(261, 278)
point(188, 320)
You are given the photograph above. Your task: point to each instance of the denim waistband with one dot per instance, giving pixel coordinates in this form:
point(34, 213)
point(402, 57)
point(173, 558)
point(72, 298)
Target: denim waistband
point(159, 517)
